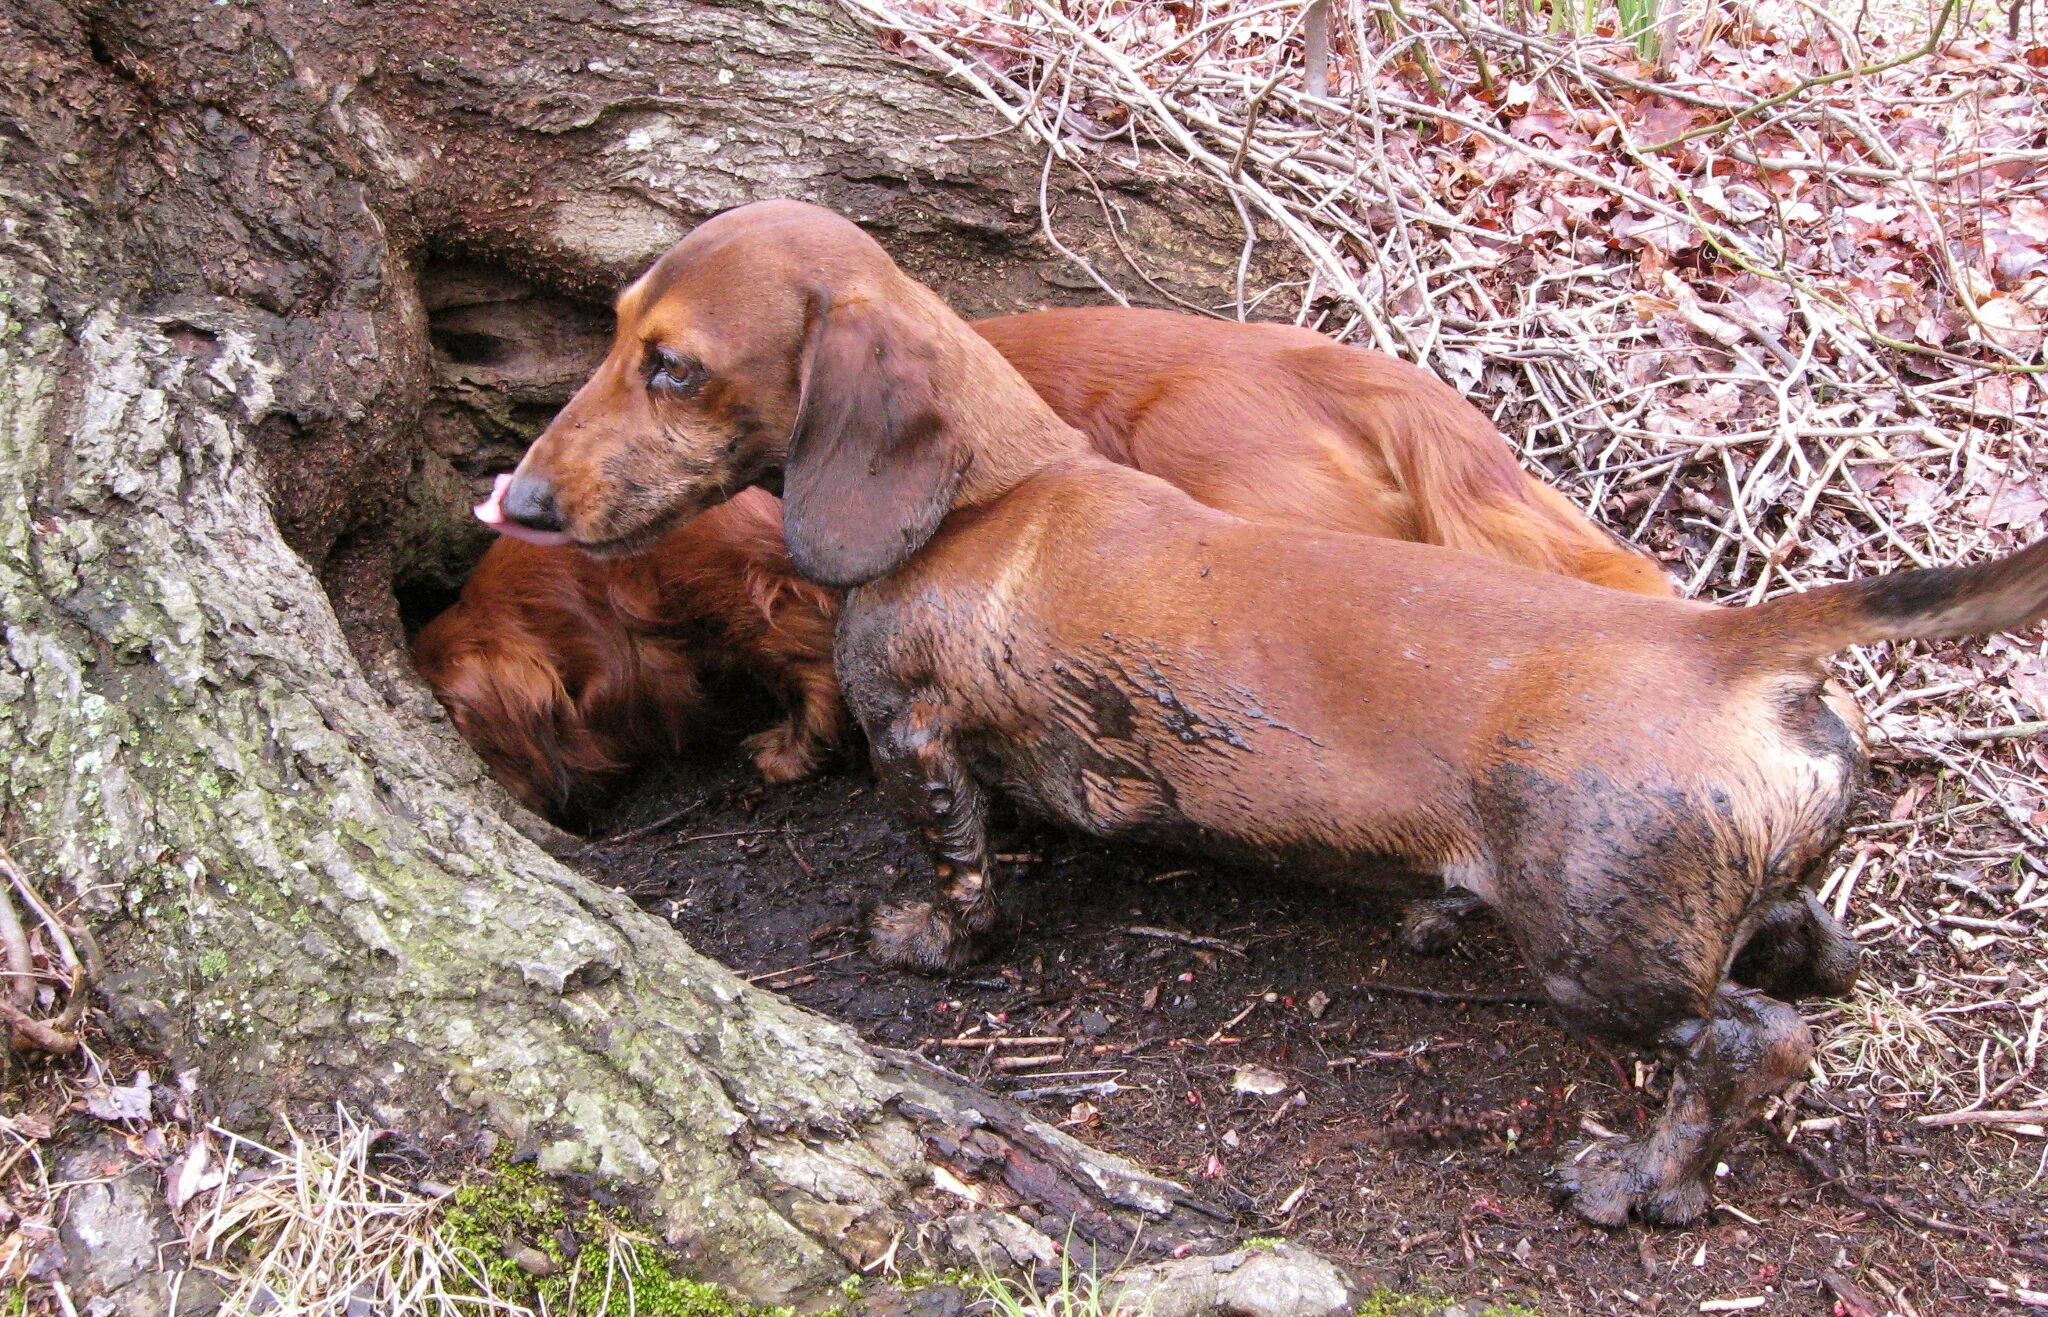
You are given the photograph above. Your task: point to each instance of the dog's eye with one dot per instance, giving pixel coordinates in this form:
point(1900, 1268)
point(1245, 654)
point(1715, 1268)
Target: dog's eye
point(671, 372)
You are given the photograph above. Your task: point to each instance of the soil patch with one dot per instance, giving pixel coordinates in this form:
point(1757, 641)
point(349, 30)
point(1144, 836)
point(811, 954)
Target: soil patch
point(1218, 1025)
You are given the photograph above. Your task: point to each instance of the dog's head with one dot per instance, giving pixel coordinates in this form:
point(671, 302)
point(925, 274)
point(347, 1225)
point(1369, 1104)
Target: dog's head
point(506, 698)
point(776, 344)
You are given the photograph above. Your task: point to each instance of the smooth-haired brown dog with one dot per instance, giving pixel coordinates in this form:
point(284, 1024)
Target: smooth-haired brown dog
point(1643, 790)
point(1267, 421)
point(564, 670)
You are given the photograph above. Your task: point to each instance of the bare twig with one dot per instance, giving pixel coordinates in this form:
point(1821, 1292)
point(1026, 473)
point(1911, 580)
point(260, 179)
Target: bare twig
point(1186, 939)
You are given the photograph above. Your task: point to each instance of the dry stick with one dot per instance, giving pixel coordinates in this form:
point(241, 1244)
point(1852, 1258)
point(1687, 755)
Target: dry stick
point(1433, 994)
point(1232, 18)
point(1009, 1063)
point(55, 1035)
point(1316, 48)
point(1881, 1202)
point(1258, 102)
point(809, 964)
point(1054, 149)
point(2008, 732)
point(59, 935)
point(38, 1034)
point(661, 824)
point(1187, 939)
point(21, 965)
point(1942, 1121)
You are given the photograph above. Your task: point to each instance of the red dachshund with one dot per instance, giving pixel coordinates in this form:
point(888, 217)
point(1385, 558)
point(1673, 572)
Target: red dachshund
point(564, 670)
point(1266, 421)
point(1644, 790)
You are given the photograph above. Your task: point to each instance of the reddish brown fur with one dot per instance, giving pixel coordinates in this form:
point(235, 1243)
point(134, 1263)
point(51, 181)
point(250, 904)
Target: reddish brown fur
point(564, 670)
point(1283, 425)
point(1266, 421)
point(1644, 790)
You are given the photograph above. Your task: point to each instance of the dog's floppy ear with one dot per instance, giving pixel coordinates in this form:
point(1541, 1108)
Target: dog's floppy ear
point(871, 469)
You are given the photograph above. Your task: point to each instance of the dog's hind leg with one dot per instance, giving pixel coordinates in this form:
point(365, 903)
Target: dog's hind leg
point(925, 776)
point(1749, 1048)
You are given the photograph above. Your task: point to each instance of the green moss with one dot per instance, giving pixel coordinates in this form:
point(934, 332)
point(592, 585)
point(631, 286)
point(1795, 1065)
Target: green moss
point(212, 964)
point(642, 1285)
point(1264, 1242)
point(489, 1220)
point(519, 1211)
point(923, 1278)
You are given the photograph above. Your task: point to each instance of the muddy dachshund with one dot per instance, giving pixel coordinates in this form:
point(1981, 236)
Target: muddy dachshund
point(1643, 790)
point(567, 672)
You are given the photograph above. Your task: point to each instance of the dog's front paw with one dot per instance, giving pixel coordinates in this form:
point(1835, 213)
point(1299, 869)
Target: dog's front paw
point(783, 753)
point(1607, 1182)
point(1428, 931)
point(1432, 927)
point(920, 936)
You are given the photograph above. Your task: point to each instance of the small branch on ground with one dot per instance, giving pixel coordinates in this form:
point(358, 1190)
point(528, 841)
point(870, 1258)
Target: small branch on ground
point(57, 1035)
point(1880, 1202)
point(1435, 994)
point(1186, 939)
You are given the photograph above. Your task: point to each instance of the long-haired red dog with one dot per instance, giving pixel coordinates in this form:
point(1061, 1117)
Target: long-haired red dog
point(565, 670)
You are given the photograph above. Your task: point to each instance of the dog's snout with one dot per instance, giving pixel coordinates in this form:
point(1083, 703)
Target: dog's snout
point(530, 502)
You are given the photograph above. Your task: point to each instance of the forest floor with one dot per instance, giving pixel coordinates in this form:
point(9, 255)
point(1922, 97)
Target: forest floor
point(1773, 307)
point(1222, 1026)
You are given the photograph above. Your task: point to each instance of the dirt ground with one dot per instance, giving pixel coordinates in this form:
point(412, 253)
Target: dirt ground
point(1220, 1026)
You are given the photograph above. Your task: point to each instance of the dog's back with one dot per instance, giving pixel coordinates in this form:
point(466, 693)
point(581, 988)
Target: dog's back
point(1350, 748)
point(1284, 425)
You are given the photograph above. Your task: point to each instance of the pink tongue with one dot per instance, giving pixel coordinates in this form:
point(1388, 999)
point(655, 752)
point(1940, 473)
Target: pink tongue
point(491, 512)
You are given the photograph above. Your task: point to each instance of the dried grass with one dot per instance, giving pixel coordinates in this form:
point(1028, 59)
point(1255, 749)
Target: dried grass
point(314, 1230)
point(1772, 307)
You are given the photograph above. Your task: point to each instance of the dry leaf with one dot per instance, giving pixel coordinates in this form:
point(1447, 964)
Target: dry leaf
point(193, 1174)
point(127, 1102)
point(1258, 1081)
point(2010, 323)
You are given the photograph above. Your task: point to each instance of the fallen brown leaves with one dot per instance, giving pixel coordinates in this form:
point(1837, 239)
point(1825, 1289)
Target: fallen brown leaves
point(1774, 306)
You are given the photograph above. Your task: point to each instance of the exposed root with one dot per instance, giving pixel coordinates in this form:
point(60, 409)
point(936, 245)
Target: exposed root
point(48, 955)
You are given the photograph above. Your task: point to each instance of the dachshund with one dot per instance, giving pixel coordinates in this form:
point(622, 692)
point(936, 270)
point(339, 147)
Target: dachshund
point(1267, 421)
point(564, 670)
point(1282, 424)
point(1643, 790)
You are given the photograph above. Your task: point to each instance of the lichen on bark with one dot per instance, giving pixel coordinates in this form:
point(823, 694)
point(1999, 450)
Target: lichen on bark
point(213, 363)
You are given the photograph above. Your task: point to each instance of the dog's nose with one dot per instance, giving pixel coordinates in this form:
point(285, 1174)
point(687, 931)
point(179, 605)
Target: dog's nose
point(530, 502)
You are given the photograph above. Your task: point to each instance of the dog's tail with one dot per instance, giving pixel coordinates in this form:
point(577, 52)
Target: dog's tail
point(1467, 489)
point(1935, 604)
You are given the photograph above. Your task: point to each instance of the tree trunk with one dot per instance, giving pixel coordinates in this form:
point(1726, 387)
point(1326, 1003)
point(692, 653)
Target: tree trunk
point(215, 375)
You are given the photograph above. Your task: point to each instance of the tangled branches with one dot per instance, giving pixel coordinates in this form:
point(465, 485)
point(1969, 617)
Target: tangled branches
point(55, 962)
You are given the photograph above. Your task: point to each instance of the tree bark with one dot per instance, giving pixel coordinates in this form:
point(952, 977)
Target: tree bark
point(216, 370)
